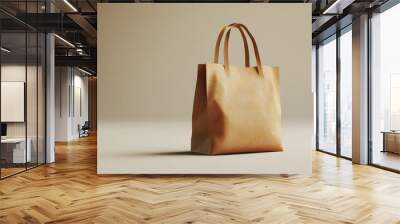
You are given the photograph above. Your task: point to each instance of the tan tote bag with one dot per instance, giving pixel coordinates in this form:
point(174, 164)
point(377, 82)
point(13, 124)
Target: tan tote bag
point(236, 109)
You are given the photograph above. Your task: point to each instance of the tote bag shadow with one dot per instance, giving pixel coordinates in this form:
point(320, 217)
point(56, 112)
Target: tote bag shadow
point(236, 109)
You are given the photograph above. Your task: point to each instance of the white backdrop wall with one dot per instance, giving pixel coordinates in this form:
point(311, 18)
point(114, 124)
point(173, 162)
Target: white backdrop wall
point(147, 62)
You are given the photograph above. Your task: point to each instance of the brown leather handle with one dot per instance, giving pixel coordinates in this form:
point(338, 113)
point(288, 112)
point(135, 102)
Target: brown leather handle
point(245, 43)
point(256, 52)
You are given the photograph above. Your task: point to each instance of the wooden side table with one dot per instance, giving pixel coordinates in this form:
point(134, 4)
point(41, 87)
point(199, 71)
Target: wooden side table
point(391, 141)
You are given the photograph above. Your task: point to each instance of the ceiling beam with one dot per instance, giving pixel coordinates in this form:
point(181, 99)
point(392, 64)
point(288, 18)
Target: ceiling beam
point(82, 61)
point(84, 24)
point(337, 7)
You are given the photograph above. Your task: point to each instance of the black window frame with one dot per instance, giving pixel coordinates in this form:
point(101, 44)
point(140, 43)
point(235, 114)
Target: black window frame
point(333, 37)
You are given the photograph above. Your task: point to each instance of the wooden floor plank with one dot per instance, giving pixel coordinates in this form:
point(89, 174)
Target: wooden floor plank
point(70, 191)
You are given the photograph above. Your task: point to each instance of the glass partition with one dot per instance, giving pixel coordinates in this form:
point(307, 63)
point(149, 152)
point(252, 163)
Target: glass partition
point(32, 97)
point(13, 94)
point(327, 95)
point(22, 88)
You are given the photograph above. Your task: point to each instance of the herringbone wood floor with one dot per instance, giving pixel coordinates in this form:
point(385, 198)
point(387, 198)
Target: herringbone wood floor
point(69, 191)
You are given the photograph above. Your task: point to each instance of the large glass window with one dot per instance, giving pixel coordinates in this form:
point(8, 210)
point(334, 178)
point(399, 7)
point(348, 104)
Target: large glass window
point(327, 95)
point(334, 63)
point(346, 93)
point(385, 89)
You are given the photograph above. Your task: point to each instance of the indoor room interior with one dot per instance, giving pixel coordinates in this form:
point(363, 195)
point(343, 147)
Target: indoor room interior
point(65, 113)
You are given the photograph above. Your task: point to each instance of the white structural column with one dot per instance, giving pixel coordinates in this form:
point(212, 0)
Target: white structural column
point(50, 99)
point(50, 92)
point(360, 90)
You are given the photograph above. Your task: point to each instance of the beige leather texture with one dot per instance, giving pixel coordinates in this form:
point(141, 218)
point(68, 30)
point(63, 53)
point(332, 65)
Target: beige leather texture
point(236, 109)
